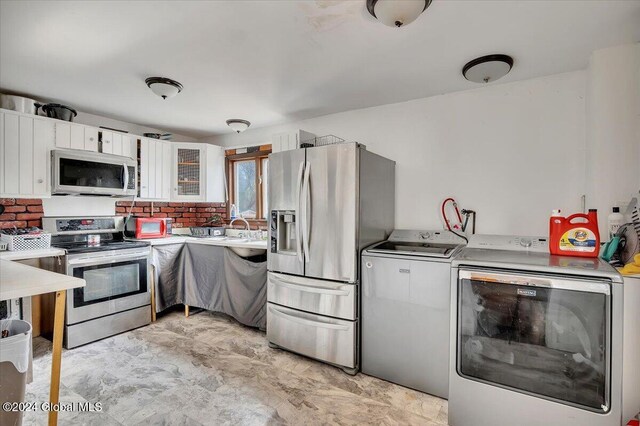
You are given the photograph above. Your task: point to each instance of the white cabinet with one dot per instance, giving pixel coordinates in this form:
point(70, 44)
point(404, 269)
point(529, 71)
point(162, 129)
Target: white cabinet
point(289, 140)
point(25, 145)
point(155, 169)
point(188, 177)
point(76, 136)
point(118, 143)
point(198, 172)
point(216, 191)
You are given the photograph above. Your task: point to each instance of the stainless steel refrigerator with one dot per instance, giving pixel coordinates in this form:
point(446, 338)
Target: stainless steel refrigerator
point(325, 205)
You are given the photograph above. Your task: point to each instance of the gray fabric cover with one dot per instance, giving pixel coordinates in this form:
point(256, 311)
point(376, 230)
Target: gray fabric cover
point(169, 269)
point(212, 278)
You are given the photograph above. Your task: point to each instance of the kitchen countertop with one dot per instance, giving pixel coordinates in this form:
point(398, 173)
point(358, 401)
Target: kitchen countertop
point(31, 254)
point(213, 241)
point(20, 280)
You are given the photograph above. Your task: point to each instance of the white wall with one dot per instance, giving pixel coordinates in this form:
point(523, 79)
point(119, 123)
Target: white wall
point(136, 129)
point(512, 152)
point(613, 128)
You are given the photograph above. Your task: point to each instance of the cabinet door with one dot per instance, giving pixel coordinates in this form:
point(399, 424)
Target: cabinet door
point(166, 170)
point(127, 147)
point(11, 164)
point(63, 135)
point(26, 155)
point(107, 142)
point(144, 168)
point(76, 137)
point(188, 176)
point(43, 142)
point(216, 179)
point(151, 166)
point(25, 144)
point(91, 139)
point(116, 142)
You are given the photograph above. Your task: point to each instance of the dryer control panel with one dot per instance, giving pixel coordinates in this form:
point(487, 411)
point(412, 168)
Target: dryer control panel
point(509, 242)
point(441, 237)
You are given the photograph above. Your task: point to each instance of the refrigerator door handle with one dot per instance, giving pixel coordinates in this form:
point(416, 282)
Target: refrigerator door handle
point(304, 321)
point(312, 289)
point(298, 212)
point(306, 200)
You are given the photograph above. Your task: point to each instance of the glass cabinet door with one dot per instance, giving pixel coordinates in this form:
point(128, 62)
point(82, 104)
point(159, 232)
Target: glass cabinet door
point(188, 172)
point(545, 340)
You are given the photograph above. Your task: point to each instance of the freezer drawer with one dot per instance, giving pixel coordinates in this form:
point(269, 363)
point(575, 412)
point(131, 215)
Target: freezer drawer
point(324, 338)
point(315, 296)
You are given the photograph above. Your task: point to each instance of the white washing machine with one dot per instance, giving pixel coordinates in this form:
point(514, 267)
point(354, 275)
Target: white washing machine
point(405, 308)
point(535, 339)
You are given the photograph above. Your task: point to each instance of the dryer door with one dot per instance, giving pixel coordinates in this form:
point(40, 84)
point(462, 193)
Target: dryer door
point(542, 336)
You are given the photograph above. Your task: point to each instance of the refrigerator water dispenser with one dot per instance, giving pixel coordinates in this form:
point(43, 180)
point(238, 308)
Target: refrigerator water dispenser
point(283, 232)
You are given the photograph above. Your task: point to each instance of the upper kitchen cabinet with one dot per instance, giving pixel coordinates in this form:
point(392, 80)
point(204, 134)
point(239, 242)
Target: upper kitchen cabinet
point(216, 189)
point(25, 145)
point(76, 136)
point(188, 172)
point(155, 169)
point(198, 172)
point(117, 143)
point(289, 140)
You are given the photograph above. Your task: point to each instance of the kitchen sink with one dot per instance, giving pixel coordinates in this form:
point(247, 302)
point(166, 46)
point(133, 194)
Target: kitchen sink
point(247, 251)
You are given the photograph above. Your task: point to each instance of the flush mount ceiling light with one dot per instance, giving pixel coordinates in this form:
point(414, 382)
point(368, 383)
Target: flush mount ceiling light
point(397, 13)
point(487, 68)
point(164, 87)
point(238, 125)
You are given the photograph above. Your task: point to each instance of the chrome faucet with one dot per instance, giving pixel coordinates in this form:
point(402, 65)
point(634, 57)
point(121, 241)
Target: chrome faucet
point(242, 219)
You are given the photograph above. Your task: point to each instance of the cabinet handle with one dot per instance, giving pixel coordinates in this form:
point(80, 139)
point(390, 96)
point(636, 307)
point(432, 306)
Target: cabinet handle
point(91, 139)
point(40, 180)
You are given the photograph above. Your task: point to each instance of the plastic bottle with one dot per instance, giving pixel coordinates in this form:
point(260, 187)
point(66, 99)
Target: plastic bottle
point(569, 237)
point(614, 222)
point(233, 212)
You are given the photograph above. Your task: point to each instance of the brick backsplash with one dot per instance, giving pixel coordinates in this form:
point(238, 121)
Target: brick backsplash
point(21, 212)
point(27, 212)
point(183, 214)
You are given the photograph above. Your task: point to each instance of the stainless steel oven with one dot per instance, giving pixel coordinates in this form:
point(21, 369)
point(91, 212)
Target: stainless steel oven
point(92, 173)
point(117, 296)
point(115, 299)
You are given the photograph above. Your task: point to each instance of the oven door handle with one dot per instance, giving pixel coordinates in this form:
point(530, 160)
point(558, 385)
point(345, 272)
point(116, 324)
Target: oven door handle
point(105, 260)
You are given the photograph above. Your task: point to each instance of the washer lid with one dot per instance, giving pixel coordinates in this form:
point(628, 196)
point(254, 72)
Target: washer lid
point(414, 248)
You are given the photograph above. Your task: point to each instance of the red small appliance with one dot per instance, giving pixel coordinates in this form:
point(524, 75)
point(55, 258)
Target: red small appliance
point(148, 227)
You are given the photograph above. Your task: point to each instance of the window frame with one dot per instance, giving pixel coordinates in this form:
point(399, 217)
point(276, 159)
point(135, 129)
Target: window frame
point(258, 157)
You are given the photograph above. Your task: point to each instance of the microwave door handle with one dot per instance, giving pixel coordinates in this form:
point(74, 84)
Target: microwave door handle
point(126, 177)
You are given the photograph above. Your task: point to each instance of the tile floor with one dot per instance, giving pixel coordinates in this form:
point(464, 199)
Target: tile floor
point(209, 370)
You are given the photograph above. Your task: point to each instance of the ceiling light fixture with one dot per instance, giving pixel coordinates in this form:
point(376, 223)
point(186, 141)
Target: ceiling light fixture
point(397, 13)
point(238, 125)
point(164, 87)
point(487, 68)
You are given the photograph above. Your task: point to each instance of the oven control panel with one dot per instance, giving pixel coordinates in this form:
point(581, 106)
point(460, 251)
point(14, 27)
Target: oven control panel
point(82, 225)
point(509, 242)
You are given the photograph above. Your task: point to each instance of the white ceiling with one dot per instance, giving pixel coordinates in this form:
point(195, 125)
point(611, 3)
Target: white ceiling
point(276, 61)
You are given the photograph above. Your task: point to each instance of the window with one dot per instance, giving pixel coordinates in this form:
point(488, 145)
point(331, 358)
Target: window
point(247, 177)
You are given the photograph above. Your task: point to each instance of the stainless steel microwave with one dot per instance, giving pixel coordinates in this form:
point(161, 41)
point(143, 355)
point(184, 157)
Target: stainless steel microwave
point(92, 173)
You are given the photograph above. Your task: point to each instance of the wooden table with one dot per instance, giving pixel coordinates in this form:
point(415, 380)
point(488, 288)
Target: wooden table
point(17, 280)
